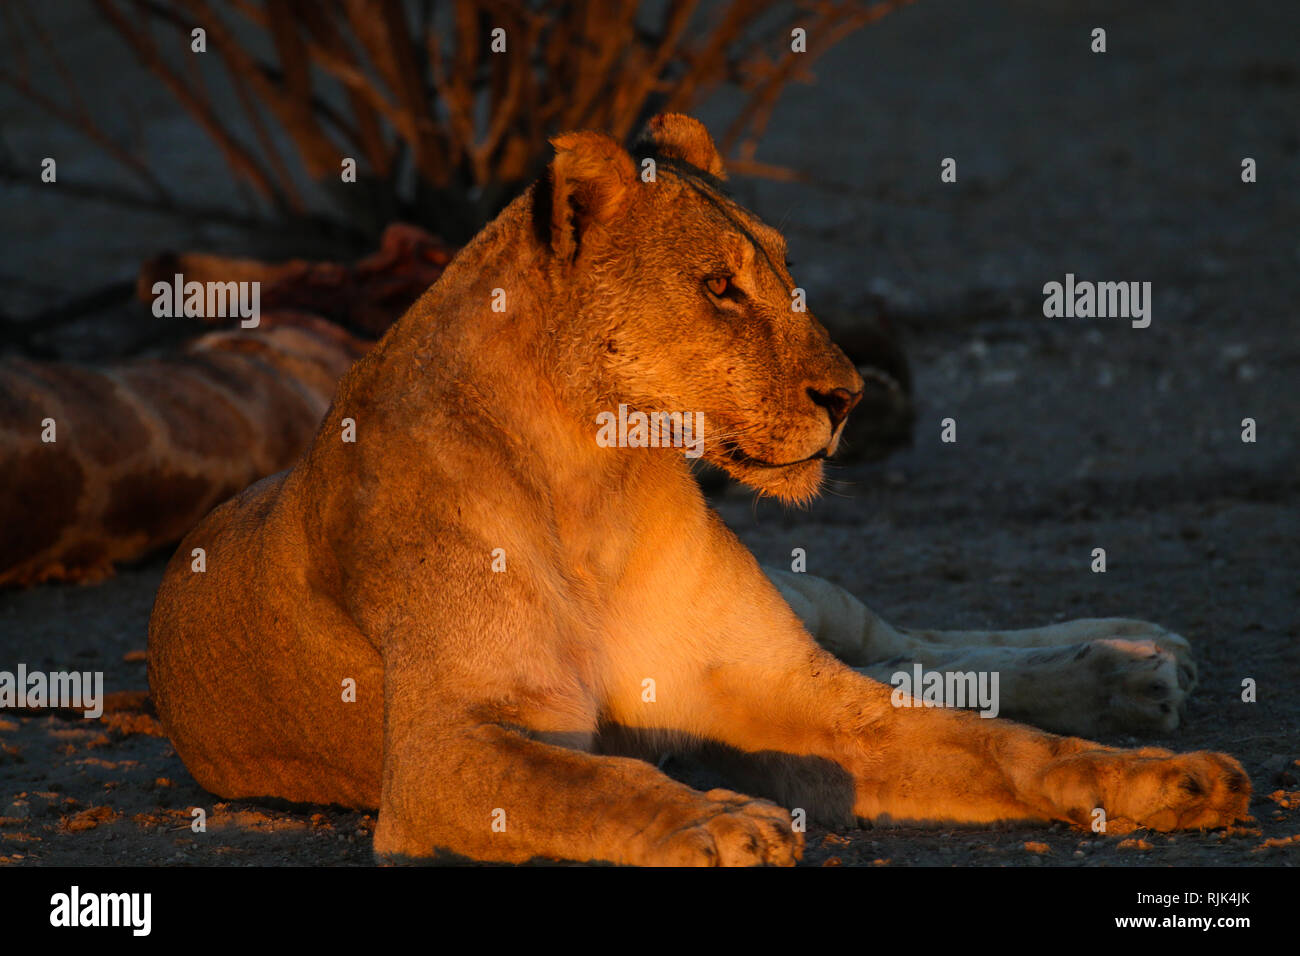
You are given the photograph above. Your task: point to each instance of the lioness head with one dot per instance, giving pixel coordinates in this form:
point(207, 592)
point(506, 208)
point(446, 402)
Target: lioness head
point(687, 301)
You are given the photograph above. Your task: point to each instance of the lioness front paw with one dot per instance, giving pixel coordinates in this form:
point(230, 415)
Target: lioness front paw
point(728, 829)
point(1150, 788)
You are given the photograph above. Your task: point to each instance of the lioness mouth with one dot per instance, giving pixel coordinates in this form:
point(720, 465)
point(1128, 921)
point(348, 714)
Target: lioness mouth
point(734, 453)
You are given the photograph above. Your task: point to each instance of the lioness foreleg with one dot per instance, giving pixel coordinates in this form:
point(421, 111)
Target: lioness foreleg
point(779, 693)
point(939, 765)
point(489, 792)
point(483, 780)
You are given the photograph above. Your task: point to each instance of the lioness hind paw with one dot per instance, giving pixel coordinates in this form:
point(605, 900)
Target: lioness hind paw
point(1141, 686)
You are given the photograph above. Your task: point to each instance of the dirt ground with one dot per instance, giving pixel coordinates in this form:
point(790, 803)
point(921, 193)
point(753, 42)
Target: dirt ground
point(1072, 433)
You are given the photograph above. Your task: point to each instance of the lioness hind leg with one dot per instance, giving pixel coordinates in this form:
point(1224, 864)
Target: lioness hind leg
point(1084, 677)
point(1071, 632)
point(839, 621)
point(1096, 687)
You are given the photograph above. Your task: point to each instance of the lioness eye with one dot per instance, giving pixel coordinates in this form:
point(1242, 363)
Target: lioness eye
point(719, 286)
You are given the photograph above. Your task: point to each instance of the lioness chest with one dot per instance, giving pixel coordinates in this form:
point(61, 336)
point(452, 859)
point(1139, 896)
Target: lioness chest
point(609, 595)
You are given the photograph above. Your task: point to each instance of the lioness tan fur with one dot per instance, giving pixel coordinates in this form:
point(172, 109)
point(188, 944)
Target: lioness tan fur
point(477, 618)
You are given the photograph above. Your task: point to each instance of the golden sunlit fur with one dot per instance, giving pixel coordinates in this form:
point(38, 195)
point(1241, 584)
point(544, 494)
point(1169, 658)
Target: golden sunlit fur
point(518, 608)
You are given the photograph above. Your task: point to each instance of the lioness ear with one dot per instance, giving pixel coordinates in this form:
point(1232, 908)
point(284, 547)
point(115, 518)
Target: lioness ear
point(590, 181)
point(684, 138)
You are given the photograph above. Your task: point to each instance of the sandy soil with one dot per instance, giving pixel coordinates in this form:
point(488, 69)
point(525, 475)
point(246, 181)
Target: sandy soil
point(1072, 433)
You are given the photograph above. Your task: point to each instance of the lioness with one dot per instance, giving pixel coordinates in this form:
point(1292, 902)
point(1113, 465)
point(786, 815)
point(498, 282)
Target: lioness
point(476, 617)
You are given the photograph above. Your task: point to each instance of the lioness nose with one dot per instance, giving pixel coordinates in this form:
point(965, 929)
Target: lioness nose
point(838, 402)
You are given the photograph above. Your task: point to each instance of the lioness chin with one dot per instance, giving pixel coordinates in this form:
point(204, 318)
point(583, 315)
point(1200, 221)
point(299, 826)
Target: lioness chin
point(476, 617)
